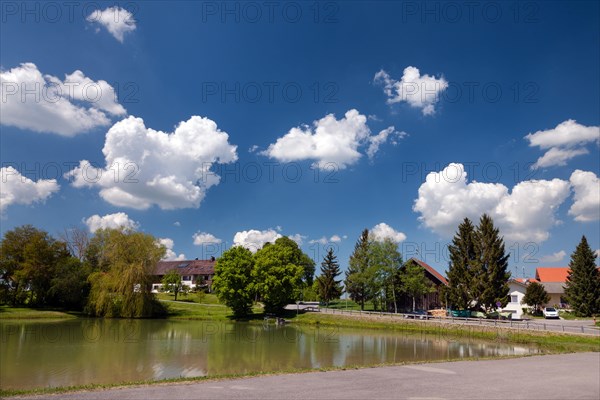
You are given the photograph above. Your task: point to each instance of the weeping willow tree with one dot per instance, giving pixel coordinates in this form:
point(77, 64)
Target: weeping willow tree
point(123, 289)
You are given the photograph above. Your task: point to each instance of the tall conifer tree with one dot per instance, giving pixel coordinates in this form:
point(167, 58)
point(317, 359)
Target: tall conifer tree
point(357, 274)
point(329, 287)
point(491, 275)
point(582, 288)
point(460, 274)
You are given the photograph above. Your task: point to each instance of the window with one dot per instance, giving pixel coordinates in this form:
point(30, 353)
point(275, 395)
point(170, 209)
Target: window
point(514, 298)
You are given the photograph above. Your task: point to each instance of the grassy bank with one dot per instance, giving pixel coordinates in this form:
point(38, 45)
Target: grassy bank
point(7, 312)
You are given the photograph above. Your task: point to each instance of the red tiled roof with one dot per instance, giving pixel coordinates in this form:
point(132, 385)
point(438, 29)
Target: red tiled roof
point(430, 269)
point(186, 267)
point(552, 274)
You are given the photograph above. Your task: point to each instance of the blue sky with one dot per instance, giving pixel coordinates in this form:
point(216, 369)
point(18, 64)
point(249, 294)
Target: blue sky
point(341, 108)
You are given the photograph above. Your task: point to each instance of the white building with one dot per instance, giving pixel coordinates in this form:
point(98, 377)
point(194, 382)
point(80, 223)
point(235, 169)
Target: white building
point(515, 296)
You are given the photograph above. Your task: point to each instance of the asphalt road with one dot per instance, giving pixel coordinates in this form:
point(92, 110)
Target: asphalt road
point(566, 376)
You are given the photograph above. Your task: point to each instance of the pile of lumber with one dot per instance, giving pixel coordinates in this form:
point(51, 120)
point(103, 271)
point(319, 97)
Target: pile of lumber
point(440, 312)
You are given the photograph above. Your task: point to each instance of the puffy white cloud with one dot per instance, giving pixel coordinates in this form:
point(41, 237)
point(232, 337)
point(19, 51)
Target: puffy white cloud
point(557, 157)
point(597, 252)
point(419, 91)
point(44, 103)
point(146, 167)
point(204, 238)
point(18, 189)
point(170, 255)
point(383, 231)
point(377, 140)
point(335, 239)
point(298, 238)
point(254, 239)
point(329, 140)
point(110, 221)
point(324, 240)
point(563, 142)
point(554, 257)
point(117, 21)
point(586, 186)
point(525, 214)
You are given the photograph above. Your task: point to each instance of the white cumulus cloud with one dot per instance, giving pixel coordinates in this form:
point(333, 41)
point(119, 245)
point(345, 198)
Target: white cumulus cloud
point(110, 221)
point(383, 231)
point(586, 185)
point(419, 91)
point(564, 142)
point(170, 255)
point(45, 103)
point(145, 167)
point(18, 189)
point(254, 239)
point(116, 20)
point(525, 214)
point(554, 257)
point(204, 238)
point(327, 141)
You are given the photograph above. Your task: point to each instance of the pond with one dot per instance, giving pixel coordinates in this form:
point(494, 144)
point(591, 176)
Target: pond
point(103, 351)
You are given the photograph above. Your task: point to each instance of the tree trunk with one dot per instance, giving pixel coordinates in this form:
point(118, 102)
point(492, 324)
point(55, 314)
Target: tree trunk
point(413, 299)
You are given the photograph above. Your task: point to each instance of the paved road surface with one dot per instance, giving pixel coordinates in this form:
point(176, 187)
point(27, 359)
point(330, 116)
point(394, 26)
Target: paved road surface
point(566, 376)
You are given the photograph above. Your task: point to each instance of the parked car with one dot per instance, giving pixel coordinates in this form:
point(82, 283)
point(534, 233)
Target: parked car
point(550, 312)
point(417, 314)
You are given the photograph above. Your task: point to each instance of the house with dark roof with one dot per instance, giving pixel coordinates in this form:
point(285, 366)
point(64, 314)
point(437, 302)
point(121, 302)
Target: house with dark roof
point(194, 273)
point(430, 300)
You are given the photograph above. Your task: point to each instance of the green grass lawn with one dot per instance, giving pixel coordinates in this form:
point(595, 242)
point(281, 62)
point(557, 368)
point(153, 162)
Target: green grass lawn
point(571, 315)
point(7, 312)
point(350, 305)
point(203, 307)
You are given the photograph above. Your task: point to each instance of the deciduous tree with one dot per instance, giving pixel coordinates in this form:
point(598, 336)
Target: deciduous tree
point(233, 282)
point(357, 275)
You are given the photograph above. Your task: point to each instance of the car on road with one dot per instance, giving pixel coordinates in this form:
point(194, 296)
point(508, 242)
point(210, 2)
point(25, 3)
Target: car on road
point(417, 314)
point(550, 312)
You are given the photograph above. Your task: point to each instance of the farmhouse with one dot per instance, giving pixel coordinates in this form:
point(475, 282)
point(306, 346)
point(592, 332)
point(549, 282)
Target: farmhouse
point(428, 301)
point(553, 279)
point(194, 273)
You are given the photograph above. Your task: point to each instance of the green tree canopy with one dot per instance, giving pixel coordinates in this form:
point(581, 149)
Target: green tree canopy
point(29, 262)
point(328, 287)
point(233, 281)
point(384, 271)
point(414, 282)
point(172, 282)
point(535, 296)
point(357, 275)
point(278, 273)
point(124, 289)
point(582, 288)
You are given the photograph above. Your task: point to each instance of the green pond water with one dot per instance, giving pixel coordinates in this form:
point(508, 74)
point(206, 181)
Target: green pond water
point(83, 351)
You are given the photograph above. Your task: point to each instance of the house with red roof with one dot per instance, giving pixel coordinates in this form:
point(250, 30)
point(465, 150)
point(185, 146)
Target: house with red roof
point(553, 279)
point(193, 272)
